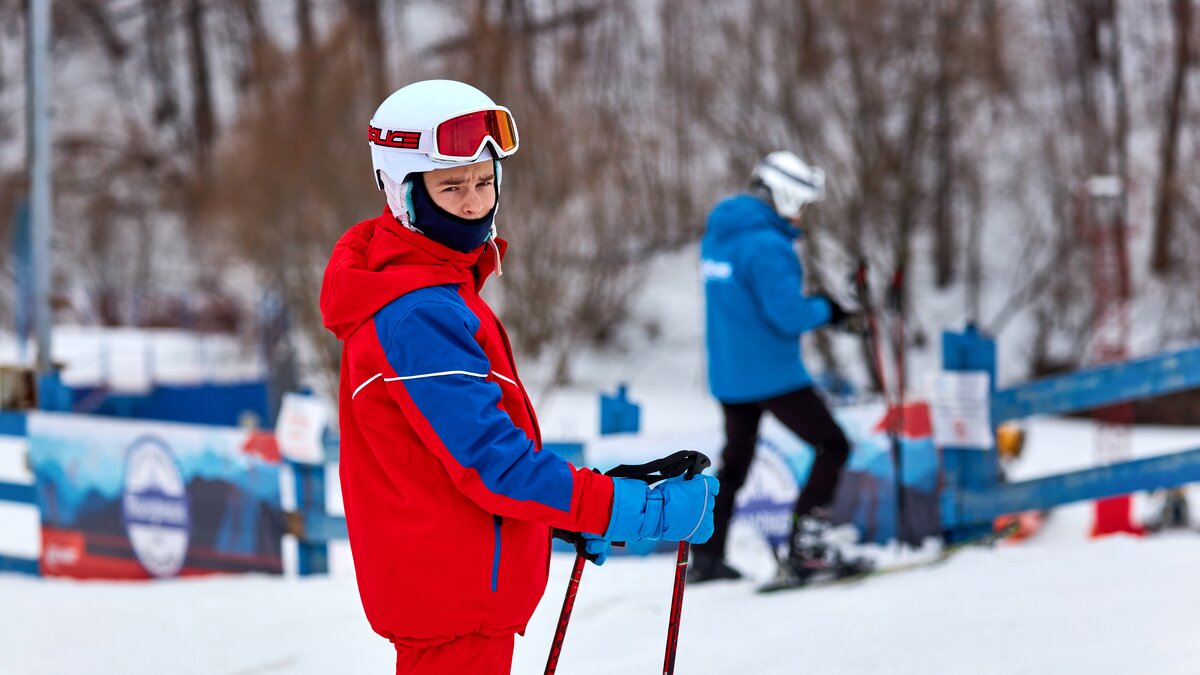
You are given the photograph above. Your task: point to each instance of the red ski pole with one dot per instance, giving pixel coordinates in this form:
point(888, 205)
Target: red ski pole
point(863, 290)
point(681, 563)
point(896, 301)
point(895, 414)
point(564, 616)
point(685, 462)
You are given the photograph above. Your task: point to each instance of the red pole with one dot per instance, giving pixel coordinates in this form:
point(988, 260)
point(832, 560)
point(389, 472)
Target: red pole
point(862, 287)
point(681, 563)
point(897, 431)
point(564, 616)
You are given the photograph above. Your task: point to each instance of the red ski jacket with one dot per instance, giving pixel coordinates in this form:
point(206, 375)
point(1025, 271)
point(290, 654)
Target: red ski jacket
point(449, 498)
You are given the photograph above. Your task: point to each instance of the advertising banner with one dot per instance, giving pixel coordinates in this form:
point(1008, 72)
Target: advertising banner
point(866, 494)
point(125, 499)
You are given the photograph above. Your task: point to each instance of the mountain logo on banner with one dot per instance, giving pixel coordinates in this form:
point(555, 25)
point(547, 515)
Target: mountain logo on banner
point(766, 502)
point(155, 507)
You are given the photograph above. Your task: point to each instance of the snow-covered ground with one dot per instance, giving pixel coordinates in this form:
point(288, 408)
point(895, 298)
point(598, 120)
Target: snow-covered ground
point(1114, 606)
point(1057, 603)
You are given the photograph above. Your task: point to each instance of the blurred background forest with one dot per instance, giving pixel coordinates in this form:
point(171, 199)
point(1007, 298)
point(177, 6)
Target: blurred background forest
point(208, 153)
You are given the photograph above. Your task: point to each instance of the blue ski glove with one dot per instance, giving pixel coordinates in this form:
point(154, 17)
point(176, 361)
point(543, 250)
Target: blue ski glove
point(674, 510)
point(597, 548)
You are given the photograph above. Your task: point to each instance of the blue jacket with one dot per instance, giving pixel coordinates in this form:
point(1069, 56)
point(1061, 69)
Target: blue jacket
point(756, 308)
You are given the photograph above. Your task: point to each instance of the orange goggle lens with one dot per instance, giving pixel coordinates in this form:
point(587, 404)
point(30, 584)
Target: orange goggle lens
point(460, 137)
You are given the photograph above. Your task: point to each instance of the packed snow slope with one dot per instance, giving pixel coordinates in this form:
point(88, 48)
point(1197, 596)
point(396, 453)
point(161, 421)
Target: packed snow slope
point(1058, 603)
point(1114, 606)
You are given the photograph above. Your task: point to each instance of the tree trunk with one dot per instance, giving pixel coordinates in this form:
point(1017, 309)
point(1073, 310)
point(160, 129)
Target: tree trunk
point(158, 60)
point(943, 213)
point(1164, 217)
point(203, 118)
point(256, 45)
point(305, 25)
point(369, 15)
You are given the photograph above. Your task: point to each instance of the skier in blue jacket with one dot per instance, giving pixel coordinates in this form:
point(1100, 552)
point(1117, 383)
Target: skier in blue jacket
point(756, 313)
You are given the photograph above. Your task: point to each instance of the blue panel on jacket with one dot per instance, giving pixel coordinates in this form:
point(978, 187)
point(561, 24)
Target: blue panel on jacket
point(431, 331)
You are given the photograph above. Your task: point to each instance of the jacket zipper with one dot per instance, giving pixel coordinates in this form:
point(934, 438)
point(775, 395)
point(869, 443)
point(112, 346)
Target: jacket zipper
point(498, 521)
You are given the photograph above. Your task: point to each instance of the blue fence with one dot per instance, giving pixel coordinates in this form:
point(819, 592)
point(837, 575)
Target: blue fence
point(208, 404)
point(973, 494)
point(13, 424)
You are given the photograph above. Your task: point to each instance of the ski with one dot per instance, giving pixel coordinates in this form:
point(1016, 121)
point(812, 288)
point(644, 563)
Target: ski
point(861, 569)
point(845, 571)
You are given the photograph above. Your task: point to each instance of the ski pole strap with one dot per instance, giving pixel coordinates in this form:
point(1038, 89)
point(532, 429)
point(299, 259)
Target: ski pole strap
point(686, 463)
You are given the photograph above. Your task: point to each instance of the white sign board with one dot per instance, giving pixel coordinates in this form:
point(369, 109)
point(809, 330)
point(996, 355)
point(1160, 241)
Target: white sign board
point(300, 427)
point(961, 410)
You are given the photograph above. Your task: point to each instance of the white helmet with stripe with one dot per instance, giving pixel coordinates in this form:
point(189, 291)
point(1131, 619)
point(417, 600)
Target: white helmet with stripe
point(402, 127)
point(790, 180)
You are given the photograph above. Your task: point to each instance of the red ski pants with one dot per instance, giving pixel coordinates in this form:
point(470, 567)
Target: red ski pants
point(475, 654)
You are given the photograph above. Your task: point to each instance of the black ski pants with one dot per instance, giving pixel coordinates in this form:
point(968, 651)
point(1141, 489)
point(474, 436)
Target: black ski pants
point(807, 416)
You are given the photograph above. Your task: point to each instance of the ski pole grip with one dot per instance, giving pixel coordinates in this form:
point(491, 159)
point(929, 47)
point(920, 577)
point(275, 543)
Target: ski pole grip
point(686, 463)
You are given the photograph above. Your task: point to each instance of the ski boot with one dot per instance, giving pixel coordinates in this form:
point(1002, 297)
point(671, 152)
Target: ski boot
point(818, 550)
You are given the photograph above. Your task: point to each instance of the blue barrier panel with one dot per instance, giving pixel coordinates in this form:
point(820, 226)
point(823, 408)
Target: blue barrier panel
point(966, 468)
point(310, 502)
point(1104, 481)
point(1100, 386)
point(619, 415)
point(18, 565)
point(13, 492)
point(13, 424)
point(321, 528)
point(211, 404)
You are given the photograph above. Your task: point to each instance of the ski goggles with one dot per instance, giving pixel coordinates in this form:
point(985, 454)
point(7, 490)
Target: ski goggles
point(458, 139)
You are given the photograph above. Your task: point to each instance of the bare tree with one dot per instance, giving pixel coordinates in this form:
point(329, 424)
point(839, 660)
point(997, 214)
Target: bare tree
point(203, 118)
point(1164, 221)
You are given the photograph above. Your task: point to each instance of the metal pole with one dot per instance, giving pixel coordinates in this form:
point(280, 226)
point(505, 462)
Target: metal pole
point(41, 214)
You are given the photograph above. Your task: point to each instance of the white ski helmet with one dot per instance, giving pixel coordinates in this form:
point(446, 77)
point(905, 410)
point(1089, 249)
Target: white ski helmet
point(791, 182)
point(437, 124)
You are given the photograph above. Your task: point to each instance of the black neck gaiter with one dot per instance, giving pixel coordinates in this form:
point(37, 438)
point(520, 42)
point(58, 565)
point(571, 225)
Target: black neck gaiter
point(444, 227)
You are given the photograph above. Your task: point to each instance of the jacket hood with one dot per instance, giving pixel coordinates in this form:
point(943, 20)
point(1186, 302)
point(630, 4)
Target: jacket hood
point(379, 260)
point(746, 213)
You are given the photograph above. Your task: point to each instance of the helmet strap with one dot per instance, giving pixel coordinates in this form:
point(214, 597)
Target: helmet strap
point(399, 199)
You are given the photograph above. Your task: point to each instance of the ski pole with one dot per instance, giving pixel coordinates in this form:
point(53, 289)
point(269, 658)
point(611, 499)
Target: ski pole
point(681, 563)
point(685, 462)
point(896, 301)
point(862, 285)
point(698, 464)
point(564, 616)
point(862, 289)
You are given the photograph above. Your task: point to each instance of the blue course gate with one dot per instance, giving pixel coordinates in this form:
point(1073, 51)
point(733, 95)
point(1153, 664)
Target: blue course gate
point(973, 494)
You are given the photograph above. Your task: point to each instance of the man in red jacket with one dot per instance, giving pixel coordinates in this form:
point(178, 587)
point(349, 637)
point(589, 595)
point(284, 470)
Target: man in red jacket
point(449, 498)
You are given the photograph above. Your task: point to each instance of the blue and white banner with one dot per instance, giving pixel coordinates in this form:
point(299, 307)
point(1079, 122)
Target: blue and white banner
point(134, 499)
